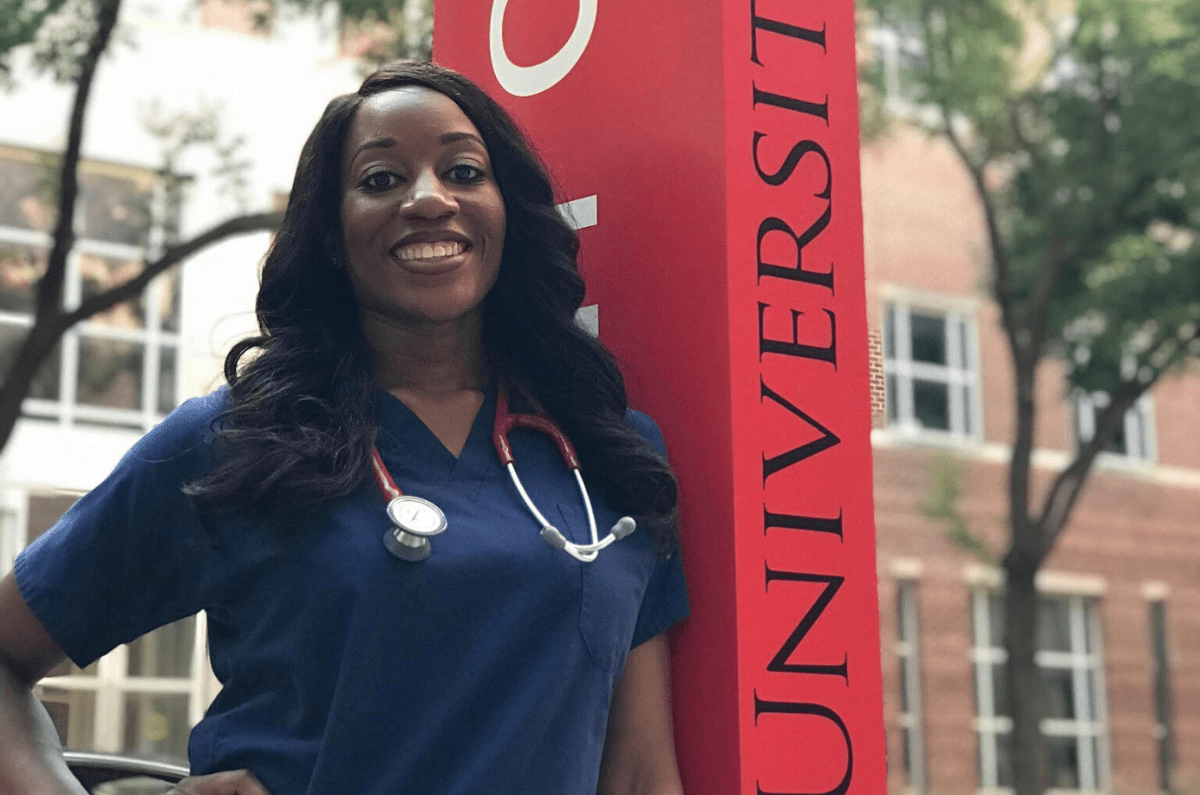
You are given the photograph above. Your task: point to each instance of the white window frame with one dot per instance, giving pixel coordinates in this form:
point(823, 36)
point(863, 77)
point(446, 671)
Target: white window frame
point(890, 46)
point(1140, 441)
point(1091, 720)
point(153, 339)
point(112, 683)
point(961, 373)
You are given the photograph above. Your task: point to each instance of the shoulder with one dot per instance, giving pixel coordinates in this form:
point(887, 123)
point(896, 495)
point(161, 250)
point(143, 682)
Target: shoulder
point(187, 429)
point(648, 429)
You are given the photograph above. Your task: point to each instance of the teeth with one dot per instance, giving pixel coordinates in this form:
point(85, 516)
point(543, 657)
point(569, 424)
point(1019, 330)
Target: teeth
point(448, 248)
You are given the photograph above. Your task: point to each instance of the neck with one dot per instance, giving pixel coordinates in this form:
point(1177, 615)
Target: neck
point(428, 360)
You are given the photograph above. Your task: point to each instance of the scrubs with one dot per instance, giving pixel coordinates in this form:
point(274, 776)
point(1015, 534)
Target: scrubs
point(488, 666)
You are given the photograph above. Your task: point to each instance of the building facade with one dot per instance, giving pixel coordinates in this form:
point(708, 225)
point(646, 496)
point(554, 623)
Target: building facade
point(1120, 632)
point(250, 89)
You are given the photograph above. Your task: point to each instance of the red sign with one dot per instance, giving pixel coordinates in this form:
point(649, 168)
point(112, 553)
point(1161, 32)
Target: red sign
point(710, 149)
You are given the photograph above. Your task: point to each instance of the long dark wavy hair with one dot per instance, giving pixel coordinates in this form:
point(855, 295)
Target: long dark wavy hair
point(302, 417)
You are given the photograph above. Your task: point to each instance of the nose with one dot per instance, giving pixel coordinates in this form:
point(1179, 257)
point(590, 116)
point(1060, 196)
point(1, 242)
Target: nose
point(428, 197)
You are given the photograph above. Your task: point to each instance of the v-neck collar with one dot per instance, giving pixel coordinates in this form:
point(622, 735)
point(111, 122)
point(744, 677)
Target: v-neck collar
point(408, 442)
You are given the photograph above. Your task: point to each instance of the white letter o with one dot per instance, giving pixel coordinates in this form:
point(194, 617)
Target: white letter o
point(525, 81)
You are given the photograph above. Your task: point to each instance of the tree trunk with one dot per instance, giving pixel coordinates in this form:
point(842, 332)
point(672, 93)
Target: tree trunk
point(1025, 688)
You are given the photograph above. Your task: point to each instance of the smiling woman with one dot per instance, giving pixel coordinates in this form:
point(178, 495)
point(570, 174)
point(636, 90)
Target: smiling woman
point(422, 215)
point(422, 282)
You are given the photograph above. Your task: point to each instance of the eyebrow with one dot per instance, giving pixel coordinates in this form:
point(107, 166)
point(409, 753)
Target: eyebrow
point(448, 138)
point(454, 137)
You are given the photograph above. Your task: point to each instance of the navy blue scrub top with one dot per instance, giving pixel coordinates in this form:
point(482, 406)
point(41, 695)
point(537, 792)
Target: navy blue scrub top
point(488, 666)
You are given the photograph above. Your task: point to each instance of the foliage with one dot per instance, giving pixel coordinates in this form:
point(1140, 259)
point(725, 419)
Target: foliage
point(1083, 128)
point(942, 504)
point(1078, 124)
point(57, 31)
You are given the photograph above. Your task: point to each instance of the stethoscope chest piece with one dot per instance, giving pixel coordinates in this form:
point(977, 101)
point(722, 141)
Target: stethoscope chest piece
point(416, 521)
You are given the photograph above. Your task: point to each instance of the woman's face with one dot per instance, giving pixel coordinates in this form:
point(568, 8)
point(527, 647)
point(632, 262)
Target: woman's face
point(422, 215)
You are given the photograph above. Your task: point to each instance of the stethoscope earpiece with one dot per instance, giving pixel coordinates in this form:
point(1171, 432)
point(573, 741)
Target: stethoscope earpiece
point(554, 537)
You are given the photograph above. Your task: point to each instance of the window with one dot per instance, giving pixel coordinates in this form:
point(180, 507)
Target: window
point(1074, 723)
point(931, 375)
point(140, 699)
point(1164, 730)
point(1132, 439)
point(897, 52)
point(908, 654)
point(120, 367)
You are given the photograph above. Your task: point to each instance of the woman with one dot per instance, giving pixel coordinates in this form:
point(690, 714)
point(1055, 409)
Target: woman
point(421, 277)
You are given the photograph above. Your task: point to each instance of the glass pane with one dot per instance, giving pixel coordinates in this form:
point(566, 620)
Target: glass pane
point(1091, 627)
point(931, 404)
point(1004, 770)
point(968, 429)
point(156, 726)
point(905, 673)
point(1062, 762)
point(115, 209)
point(906, 757)
point(1059, 693)
point(102, 273)
point(1000, 690)
point(168, 300)
point(964, 350)
point(928, 338)
point(166, 379)
point(166, 651)
point(20, 269)
point(1054, 625)
point(73, 713)
point(1117, 443)
point(996, 620)
point(890, 399)
point(26, 194)
point(889, 332)
point(45, 383)
point(110, 373)
point(1093, 694)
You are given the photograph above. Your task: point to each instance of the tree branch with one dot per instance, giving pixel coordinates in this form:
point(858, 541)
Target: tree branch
point(1037, 313)
point(50, 286)
point(49, 329)
point(1065, 491)
point(1001, 284)
point(123, 292)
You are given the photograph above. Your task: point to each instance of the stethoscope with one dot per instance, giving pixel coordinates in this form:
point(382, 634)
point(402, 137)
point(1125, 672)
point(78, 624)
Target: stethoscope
point(417, 520)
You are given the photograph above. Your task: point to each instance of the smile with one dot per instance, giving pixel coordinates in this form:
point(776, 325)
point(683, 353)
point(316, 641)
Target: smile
point(427, 251)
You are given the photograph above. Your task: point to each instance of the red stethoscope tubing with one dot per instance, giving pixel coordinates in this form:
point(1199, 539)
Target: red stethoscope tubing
point(505, 421)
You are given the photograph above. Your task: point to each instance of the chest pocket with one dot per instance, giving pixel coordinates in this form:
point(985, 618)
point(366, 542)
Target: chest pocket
point(612, 586)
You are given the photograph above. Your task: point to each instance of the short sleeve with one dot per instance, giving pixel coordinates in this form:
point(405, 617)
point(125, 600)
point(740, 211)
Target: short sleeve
point(132, 554)
point(666, 600)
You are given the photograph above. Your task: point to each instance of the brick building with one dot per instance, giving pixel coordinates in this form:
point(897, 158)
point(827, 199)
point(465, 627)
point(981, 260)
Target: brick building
point(1120, 635)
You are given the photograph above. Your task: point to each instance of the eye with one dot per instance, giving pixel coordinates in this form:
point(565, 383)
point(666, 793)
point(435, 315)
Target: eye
point(465, 172)
point(379, 180)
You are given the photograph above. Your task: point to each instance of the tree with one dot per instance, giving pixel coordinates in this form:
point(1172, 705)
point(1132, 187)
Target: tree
point(68, 40)
point(1080, 131)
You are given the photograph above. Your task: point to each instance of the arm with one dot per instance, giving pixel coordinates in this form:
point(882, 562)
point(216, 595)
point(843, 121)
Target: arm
point(639, 750)
point(30, 754)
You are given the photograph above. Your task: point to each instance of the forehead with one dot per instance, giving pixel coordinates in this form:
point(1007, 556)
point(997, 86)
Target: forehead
point(410, 115)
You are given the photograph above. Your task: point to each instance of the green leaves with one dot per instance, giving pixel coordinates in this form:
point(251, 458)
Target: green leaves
point(57, 31)
point(1082, 127)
